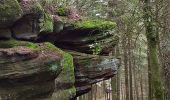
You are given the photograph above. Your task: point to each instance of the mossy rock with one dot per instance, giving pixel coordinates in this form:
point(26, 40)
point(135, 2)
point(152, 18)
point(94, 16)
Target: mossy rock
point(46, 24)
point(10, 11)
point(95, 24)
point(5, 34)
point(14, 43)
point(66, 80)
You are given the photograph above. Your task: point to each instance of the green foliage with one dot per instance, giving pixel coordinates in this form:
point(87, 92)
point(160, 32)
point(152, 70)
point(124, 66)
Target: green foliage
point(96, 48)
point(95, 24)
point(62, 11)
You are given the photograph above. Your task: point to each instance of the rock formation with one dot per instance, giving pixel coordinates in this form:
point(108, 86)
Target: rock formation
point(34, 69)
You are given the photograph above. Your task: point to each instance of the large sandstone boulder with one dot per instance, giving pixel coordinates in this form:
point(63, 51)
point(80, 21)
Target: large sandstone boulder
point(28, 71)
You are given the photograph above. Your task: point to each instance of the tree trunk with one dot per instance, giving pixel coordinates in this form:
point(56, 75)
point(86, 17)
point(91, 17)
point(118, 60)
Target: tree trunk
point(113, 85)
point(130, 67)
point(165, 41)
point(126, 67)
point(155, 73)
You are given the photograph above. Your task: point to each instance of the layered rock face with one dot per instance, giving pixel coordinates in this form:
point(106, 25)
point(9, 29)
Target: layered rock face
point(41, 71)
point(90, 69)
point(28, 73)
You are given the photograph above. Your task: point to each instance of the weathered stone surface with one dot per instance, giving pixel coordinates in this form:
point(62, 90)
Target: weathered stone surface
point(27, 27)
point(10, 11)
point(90, 69)
point(28, 71)
point(88, 41)
point(35, 20)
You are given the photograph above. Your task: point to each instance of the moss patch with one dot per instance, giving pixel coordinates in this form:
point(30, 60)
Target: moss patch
point(68, 71)
point(66, 79)
point(15, 43)
point(95, 24)
point(46, 24)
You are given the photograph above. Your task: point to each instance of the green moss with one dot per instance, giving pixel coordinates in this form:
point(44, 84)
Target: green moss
point(95, 24)
point(67, 63)
point(67, 74)
point(66, 77)
point(10, 12)
point(15, 43)
point(46, 24)
point(31, 45)
point(68, 71)
point(51, 46)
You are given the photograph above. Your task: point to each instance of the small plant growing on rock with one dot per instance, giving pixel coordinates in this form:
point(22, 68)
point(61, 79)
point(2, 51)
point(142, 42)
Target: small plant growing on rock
point(62, 11)
point(96, 48)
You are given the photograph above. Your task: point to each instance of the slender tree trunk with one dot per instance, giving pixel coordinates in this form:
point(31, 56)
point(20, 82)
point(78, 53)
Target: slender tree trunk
point(126, 67)
point(136, 84)
point(113, 85)
point(130, 67)
point(118, 85)
point(141, 86)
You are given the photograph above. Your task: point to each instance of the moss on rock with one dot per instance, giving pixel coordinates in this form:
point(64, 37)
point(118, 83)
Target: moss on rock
point(10, 12)
point(68, 71)
point(46, 24)
point(15, 43)
point(95, 24)
point(66, 79)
